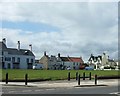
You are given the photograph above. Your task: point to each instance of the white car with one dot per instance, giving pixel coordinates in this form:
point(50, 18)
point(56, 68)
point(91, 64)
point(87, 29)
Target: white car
point(68, 68)
point(37, 66)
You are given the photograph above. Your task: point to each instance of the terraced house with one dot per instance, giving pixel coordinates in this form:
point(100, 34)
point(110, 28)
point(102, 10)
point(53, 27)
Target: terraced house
point(16, 58)
point(60, 62)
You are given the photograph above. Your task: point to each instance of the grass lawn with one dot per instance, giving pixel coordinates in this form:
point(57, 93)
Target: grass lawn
point(51, 74)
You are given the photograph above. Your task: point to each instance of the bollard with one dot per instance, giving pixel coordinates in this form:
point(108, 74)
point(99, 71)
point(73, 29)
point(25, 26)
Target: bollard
point(26, 77)
point(6, 80)
point(84, 76)
point(95, 79)
point(68, 76)
point(76, 75)
point(90, 76)
point(79, 79)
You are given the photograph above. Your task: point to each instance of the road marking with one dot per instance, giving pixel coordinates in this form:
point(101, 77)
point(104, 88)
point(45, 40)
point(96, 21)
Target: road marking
point(50, 89)
point(114, 93)
point(26, 90)
point(38, 90)
point(11, 91)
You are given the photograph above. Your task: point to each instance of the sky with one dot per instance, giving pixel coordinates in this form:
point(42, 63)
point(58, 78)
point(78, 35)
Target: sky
point(70, 28)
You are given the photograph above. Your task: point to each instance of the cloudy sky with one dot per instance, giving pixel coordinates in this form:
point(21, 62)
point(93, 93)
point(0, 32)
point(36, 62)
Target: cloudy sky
point(69, 28)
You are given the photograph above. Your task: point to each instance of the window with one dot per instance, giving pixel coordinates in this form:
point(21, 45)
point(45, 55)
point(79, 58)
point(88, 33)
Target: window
point(9, 66)
point(74, 63)
point(30, 65)
point(2, 59)
point(7, 59)
point(27, 60)
point(13, 59)
point(16, 65)
point(18, 60)
point(3, 65)
point(31, 60)
point(77, 63)
point(2, 53)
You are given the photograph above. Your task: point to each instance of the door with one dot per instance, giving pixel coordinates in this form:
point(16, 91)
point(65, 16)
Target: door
point(9, 66)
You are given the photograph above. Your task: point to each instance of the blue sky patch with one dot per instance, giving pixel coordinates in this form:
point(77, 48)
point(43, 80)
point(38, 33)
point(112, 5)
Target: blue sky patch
point(29, 26)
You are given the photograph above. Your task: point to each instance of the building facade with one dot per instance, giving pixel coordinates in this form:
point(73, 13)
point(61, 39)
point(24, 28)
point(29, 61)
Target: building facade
point(61, 63)
point(102, 61)
point(16, 58)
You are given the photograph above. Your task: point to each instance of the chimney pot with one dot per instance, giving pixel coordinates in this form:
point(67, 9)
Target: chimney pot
point(4, 41)
point(18, 45)
point(45, 53)
point(58, 54)
point(30, 47)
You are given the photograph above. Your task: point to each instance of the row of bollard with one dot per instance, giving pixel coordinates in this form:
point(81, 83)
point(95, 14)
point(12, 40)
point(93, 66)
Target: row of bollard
point(26, 78)
point(95, 79)
point(78, 77)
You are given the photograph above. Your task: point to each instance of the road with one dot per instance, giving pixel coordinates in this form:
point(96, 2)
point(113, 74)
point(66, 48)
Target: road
point(74, 90)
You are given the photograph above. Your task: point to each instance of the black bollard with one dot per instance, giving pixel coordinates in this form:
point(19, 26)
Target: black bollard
point(90, 76)
point(6, 80)
point(76, 75)
point(26, 79)
point(95, 79)
point(68, 76)
point(84, 76)
point(79, 79)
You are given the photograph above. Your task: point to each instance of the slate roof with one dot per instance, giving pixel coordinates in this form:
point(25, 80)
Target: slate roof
point(3, 46)
point(64, 58)
point(110, 60)
point(14, 51)
point(95, 58)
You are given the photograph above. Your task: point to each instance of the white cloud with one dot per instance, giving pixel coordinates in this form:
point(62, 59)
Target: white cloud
point(85, 27)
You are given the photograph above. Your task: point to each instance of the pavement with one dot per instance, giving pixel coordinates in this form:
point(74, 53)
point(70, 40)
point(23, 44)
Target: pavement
point(64, 83)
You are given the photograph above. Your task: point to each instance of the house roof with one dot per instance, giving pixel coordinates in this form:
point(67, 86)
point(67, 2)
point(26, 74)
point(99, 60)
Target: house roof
point(95, 58)
point(64, 58)
point(76, 59)
point(14, 51)
point(3, 46)
point(110, 60)
point(72, 59)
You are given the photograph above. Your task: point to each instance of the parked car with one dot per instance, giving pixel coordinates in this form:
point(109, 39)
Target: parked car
point(38, 66)
point(89, 68)
point(68, 68)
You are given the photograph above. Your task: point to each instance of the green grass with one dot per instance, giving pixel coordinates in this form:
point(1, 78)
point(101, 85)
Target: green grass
point(51, 74)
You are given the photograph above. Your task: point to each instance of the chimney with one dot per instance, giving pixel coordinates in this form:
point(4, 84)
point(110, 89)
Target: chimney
point(59, 55)
point(104, 53)
point(18, 45)
point(30, 47)
point(4, 41)
point(91, 54)
point(45, 53)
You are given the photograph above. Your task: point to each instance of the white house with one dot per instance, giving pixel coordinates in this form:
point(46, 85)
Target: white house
point(37, 65)
point(102, 61)
point(16, 58)
point(71, 62)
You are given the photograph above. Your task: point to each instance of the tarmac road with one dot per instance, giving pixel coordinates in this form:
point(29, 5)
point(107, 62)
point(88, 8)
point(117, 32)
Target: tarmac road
point(71, 90)
point(61, 87)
